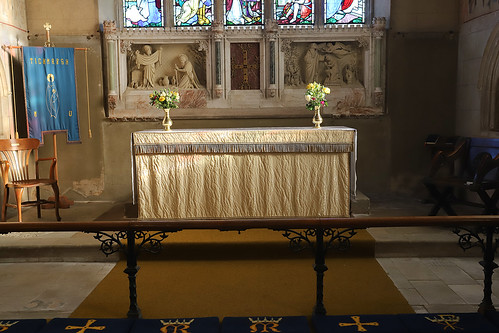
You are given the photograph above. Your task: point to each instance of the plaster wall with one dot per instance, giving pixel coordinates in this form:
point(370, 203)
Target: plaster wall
point(390, 147)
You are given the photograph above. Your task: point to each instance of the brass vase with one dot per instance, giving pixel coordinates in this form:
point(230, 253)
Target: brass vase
point(167, 122)
point(317, 120)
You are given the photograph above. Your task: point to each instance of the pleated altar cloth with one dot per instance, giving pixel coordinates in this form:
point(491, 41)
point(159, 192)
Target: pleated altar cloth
point(244, 173)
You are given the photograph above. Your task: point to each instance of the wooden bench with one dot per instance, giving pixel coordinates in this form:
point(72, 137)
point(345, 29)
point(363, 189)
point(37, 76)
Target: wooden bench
point(461, 166)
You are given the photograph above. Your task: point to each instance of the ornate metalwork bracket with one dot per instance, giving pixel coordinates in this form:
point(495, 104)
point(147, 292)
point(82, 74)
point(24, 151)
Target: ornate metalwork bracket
point(112, 243)
point(135, 241)
point(471, 237)
point(338, 239)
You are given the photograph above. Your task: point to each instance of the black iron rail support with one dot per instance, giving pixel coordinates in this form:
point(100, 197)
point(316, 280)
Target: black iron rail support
point(320, 267)
point(488, 265)
point(132, 270)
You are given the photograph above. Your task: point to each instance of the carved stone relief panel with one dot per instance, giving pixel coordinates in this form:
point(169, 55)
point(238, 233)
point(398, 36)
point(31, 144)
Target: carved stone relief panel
point(180, 66)
point(329, 63)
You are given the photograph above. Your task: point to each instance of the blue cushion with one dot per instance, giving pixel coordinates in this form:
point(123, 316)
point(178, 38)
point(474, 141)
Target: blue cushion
point(22, 325)
point(290, 324)
point(358, 323)
point(191, 325)
point(74, 325)
point(447, 322)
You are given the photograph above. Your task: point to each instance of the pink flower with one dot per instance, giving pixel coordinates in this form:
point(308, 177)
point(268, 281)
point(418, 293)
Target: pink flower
point(322, 102)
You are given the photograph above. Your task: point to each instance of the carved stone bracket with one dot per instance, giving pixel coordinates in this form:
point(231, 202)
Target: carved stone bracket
point(363, 42)
point(125, 46)
point(217, 29)
point(109, 29)
point(379, 27)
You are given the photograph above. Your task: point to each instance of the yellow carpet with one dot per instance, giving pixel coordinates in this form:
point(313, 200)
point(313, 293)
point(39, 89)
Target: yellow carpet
point(212, 273)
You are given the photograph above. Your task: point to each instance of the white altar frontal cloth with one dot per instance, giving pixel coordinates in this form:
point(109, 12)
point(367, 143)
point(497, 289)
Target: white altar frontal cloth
point(244, 173)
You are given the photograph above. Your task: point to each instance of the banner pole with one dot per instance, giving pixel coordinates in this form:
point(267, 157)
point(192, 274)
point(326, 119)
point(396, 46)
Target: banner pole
point(13, 92)
point(88, 98)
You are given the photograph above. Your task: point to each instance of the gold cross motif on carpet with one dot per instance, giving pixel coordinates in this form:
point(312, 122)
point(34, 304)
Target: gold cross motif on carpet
point(447, 320)
point(82, 329)
point(360, 326)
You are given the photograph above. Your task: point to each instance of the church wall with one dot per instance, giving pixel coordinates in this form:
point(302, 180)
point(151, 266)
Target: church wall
point(422, 55)
point(12, 33)
point(390, 147)
point(473, 39)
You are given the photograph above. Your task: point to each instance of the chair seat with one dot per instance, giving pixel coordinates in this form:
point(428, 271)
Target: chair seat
point(32, 182)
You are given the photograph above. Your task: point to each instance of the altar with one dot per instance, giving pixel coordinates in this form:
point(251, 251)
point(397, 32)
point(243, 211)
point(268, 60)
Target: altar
point(244, 173)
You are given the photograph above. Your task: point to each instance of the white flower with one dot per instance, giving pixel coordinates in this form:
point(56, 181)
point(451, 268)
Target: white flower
point(307, 98)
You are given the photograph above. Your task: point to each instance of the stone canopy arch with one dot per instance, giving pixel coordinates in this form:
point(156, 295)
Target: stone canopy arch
point(488, 83)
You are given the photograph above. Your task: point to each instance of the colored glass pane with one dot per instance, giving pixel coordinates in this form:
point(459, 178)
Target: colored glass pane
point(143, 13)
point(192, 12)
point(243, 12)
point(294, 12)
point(344, 11)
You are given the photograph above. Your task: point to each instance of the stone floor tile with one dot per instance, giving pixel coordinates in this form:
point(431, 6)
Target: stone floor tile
point(448, 271)
point(419, 309)
point(414, 269)
point(437, 292)
point(412, 296)
point(471, 266)
point(472, 294)
point(451, 308)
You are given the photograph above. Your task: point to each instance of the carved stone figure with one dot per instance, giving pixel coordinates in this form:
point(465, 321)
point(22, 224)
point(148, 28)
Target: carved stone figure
point(186, 77)
point(148, 62)
point(311, 59)
point(331, 70)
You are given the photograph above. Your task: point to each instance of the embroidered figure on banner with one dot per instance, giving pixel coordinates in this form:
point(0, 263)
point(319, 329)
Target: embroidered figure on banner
point(88, 326)
point(4, 326)
point(176, 326)
point(52, 96)
point(447, 320)
point(359, 324)
point(264, 325)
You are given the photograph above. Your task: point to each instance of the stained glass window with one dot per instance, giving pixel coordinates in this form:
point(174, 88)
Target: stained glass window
point(193, 12)
point(243, 12)
point(294, 12)
point(143, 13)
point(344, 11)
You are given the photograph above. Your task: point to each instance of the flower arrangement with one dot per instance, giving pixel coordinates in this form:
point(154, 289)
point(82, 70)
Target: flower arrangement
point(316, 95)
point(164, 99)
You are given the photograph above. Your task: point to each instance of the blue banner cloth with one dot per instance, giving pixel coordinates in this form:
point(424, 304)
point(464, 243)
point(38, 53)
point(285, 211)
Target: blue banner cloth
point(190, 325)
point(50, 90)
point(292, 324)
point(75, 325)
point(447, 322)
point(356, 323)
point(22, 325)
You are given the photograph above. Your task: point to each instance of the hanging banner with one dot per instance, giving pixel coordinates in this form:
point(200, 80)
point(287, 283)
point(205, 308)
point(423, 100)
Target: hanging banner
point(50, 90)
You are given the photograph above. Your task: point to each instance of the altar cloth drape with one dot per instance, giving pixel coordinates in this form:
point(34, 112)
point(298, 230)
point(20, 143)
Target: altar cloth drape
point(239, 173)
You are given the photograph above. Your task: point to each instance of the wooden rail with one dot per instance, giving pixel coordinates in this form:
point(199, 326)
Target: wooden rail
point(130, 238)
point(254, 223)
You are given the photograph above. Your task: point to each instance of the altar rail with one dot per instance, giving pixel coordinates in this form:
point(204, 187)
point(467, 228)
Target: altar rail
point(319, 234)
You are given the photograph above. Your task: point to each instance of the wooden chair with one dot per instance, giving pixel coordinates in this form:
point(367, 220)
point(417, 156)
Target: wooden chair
point(15, 165)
